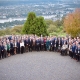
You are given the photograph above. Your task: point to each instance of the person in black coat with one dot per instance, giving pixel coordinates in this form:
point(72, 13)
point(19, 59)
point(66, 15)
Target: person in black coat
point(11, 47)
point(30, 43)
point(41, 44)
point(18, 47)
point(37, 44)
point(73, 51)
point(59, 44)
point(2, 50)
point(53, 42)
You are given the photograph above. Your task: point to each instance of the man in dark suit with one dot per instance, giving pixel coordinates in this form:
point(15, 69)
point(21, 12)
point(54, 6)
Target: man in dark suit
point(26, 44)
point(73, 51)
point(2, 50)
point(18, 46)
point(41, 44)
point(37, 44)
point(30, 43)
point(11, 48)
point(59, 44)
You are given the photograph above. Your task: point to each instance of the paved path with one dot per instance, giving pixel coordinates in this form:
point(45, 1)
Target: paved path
point(39, 66)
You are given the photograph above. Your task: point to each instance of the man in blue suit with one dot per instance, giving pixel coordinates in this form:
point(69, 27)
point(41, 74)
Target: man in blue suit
point(37, 44)
point(73, 51)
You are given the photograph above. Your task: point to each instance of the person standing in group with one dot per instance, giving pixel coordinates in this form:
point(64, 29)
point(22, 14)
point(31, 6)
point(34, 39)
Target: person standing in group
point(34, 42)
point(73, 50)
point(8, 48)
point(18, 46)
point(70, 48)
point(15, 46)
point(41, 44)
point(22, 46)
point(5, 49)
point(2, 50)
point(37, 44)
point(77, 51)
point(11, 47)
point(48, 44)
point(45, 39)
point(30, 42)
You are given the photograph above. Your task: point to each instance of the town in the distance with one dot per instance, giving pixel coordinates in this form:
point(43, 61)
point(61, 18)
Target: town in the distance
point(11, 11)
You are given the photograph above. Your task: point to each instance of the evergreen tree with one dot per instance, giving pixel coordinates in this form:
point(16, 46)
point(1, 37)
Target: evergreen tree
point(29, 23)
point(35, 25)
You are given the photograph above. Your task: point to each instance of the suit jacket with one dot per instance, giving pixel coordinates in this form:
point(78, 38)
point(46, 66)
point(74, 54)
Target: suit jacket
point(37, 42)
point(2, 48)
point(30, 42)
point(18, 44)
point(11, 45)
point(73, 48)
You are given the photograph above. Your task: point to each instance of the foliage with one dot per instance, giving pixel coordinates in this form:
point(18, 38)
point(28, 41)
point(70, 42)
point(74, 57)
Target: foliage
point(16, 29)
point(29, 23)
point(34, 25)
point(72, 23)
point(8, 31)
point(55, 27)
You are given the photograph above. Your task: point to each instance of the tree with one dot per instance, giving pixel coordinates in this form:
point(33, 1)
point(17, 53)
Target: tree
point(17, 29)
point(29, 23)
point(41, 27)
point(72, 23)
point(35, 25)
point(52, 28)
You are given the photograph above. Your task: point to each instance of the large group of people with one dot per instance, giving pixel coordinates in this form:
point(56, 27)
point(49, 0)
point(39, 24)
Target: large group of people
point(19, 44)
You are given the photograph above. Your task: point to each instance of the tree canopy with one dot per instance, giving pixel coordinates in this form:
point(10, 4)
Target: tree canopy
point(72, 23)
point(35, 25)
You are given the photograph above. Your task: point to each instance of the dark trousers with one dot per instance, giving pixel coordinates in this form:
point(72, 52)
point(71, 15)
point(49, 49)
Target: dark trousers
point(2, 53)
point(30, 48)
point(77, 57)
point(37, 47)
point(33, 48)
point(72, 54)
point(18, 50)
point(22, 49)
point(5, 53)
point(45, 47)
point(27, 47)
point(55, 48)
point(12, 51)
point(42, 47)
